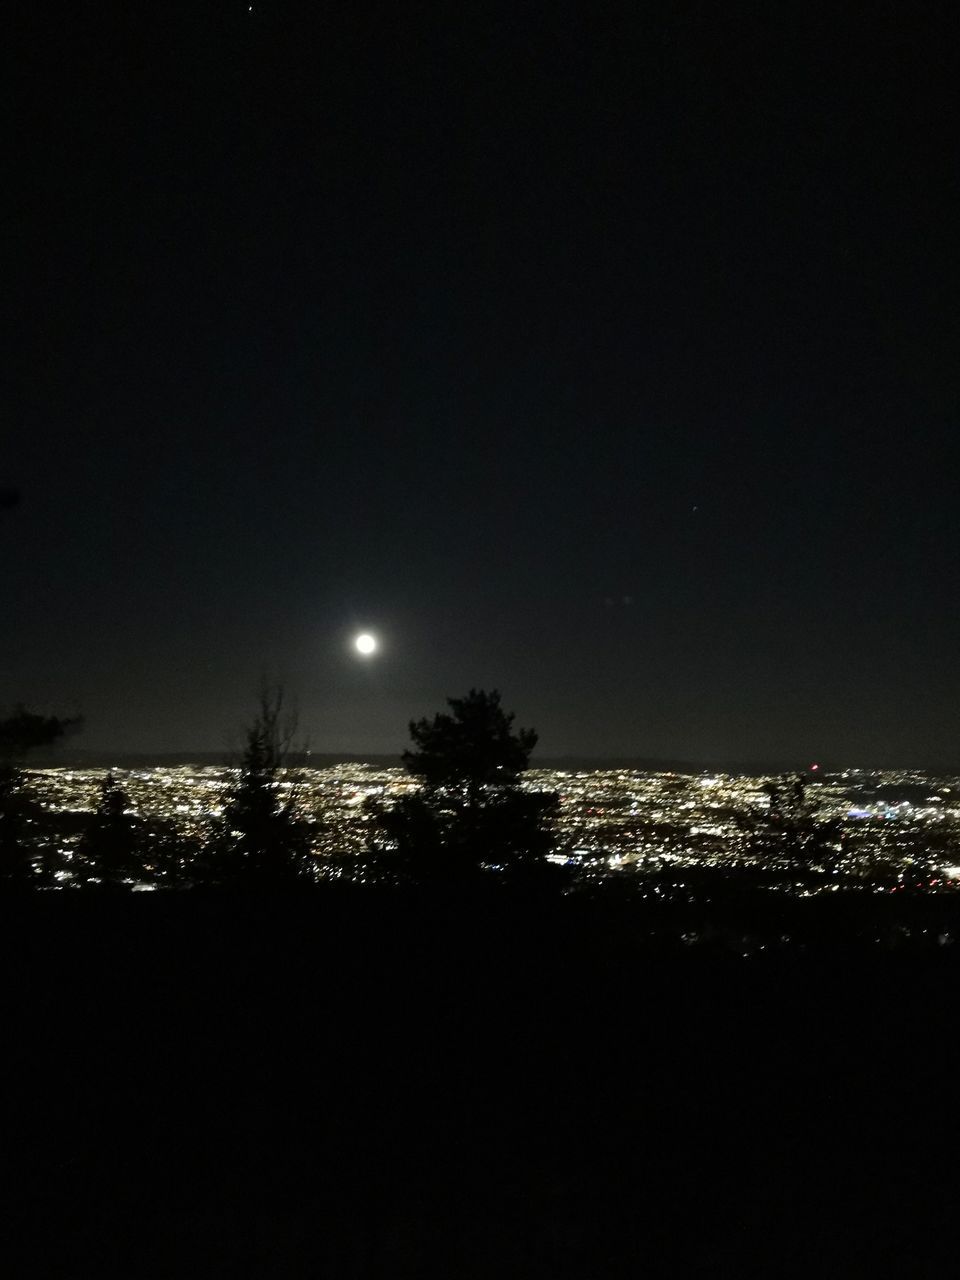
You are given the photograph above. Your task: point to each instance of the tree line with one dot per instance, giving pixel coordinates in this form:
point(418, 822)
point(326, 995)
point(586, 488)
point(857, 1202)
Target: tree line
point(469, 819)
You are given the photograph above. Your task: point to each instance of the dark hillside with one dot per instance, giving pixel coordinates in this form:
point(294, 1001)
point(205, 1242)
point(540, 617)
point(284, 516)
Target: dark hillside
point(353, 1086)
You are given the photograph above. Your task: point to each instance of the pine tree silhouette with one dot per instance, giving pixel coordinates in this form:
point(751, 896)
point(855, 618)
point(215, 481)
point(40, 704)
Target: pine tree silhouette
point(471, 813)
point(22, 850)
point(111, 850)
point(262, 841)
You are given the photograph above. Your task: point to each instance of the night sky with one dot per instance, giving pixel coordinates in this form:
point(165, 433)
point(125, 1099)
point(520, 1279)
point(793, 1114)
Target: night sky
point(605, 355)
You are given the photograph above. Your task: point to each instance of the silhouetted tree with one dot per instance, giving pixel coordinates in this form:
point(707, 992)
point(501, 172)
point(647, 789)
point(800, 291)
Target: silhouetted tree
point(261, 840)
point(17, 845)
point(474, 748)
point(788, 800)
point(111, 849)
point(172, 859)
point(792, 827)
point(471, 813)
point(21, 819)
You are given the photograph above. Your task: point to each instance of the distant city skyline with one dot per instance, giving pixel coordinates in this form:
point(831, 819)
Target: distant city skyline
point(875, 828)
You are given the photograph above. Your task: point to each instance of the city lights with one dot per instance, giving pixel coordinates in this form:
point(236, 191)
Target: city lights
point(873, 829)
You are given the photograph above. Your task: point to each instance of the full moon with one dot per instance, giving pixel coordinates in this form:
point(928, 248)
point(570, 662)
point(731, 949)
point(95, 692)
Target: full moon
point(365, 644)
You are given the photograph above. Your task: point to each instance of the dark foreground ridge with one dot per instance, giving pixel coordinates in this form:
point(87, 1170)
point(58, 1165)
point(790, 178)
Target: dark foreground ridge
point(400, 1084)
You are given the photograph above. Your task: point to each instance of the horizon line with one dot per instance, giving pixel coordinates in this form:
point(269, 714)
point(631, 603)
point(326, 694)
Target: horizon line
point(93, 757)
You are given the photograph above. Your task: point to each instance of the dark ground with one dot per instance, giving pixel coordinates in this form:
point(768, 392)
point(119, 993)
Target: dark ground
point(365, 1087)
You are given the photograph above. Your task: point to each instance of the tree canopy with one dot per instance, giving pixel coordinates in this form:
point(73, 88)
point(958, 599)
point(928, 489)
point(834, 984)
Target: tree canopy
point(21, 818)
point(262, 840)
point(112, 848)
point(474, 745)
point(471, 813)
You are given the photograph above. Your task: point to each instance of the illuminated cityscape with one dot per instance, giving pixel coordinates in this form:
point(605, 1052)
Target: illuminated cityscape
point(479, 547)
point(861, 829)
